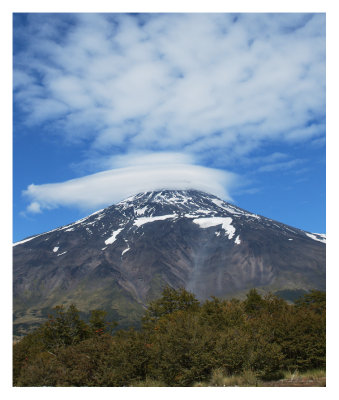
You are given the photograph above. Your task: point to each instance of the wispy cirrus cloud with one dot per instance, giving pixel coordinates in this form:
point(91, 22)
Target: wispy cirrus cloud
point(174, 81)
point(281, 166)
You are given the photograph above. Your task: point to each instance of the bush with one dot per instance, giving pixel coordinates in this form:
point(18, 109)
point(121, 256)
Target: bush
point(181, 349)
point(181, 343)
point(64, 329)
point(171, 300)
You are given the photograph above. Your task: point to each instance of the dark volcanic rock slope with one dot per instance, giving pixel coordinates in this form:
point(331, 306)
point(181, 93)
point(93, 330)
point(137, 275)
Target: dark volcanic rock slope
point(120, 257)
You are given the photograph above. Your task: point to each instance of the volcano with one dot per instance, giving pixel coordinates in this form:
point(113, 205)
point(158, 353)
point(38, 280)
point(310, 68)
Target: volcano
point(120, 258)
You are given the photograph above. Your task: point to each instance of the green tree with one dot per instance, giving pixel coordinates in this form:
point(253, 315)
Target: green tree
point(316, 300)
point(25, 351)
point(220, 314)
point(170, 301)
point(98, 323)
point(38, 357)
point(180, 349)
point(254, 302)
point(64, 328)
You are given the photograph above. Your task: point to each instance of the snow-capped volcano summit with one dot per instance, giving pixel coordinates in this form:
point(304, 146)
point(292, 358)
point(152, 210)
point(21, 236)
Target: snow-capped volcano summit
point(119, 258)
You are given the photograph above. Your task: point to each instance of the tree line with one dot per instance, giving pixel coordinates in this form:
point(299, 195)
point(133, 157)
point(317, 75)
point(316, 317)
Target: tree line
point(181, 341)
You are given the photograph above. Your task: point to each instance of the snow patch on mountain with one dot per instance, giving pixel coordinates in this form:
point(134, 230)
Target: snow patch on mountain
point(146, 220)
point(233, 210)
point(221, 204)
point(226, 224)
point(70, 227)
point(141, 211)
point(125, 251)
point(320, 237)
point(190, 215)
point(203, 211)
point(112, 239)
point(36, 236)
point(26, 240)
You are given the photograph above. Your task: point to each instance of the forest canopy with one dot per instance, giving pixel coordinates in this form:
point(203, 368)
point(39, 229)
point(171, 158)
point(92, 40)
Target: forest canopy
point(181, 341)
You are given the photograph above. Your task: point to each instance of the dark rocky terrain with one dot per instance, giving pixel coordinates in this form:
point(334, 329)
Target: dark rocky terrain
point(119, 258)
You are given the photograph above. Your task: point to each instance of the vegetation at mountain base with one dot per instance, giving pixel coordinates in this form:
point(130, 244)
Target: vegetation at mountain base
point(181, 342)
point(290, 295)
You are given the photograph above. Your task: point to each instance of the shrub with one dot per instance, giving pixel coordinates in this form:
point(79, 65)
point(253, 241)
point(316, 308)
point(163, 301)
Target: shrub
point(181, 349)
point(171, 300)
point(181, 342)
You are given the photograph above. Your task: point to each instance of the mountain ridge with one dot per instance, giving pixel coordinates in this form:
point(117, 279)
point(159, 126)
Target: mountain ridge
point(119, 258)
point(319, 236)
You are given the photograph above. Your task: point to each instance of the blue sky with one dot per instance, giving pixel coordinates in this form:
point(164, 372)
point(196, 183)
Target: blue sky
point(106, 105)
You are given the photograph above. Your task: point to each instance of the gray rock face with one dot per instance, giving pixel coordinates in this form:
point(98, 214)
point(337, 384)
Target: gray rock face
point(120, 257)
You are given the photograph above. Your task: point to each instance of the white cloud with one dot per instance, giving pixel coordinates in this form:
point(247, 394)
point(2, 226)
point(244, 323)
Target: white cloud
point(148, 158)
point(34, 208)
point(169, 91)
point(285, 165)
point(149, 172)
point(175, 80)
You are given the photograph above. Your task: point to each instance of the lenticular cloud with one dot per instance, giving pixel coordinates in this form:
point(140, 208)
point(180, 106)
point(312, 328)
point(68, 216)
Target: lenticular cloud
point(108, 187)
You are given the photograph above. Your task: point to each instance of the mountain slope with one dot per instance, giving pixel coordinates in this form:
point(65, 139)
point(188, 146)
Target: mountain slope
point(120, 257)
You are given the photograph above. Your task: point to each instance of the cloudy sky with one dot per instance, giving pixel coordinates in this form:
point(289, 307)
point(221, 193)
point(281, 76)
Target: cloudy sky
point(108, 105)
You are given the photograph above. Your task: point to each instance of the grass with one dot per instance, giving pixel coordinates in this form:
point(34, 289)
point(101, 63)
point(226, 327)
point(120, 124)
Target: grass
point(312, 374)
point(219, 378)
point(248, 378)
point(149, 383)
